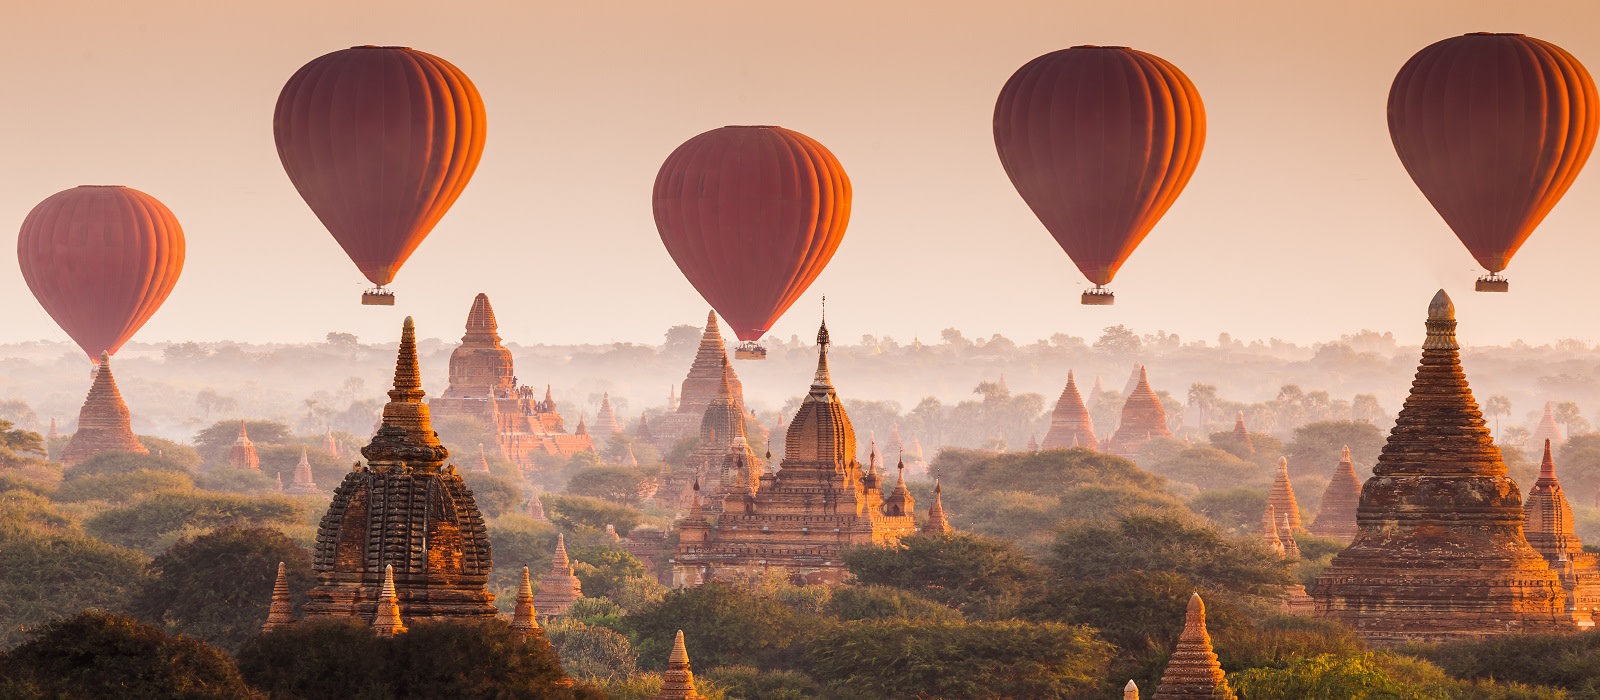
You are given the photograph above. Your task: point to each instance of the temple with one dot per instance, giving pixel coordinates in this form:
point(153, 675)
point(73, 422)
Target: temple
point(1336, 516)
point(722, 455)
point(407, 512)
point(280, 613)
point(558, 588)
point(1070, 424)
point(799, 519)
point(303, 483)
point(483, 386)
point(1143, 418)
point(1281, 497)
point(936, 523)
point(1193, 671)
point(1548, 527)
point(677, 682)
point(1438, 518)
point(605, 422)
point(700, 388)
point(242, 455)
point(104, 424)
point(1241, 434)
point(525, 617)
point(1546, 430)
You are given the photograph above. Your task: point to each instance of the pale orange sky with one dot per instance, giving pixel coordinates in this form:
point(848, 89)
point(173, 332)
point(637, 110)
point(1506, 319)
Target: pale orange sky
point(1300, 222)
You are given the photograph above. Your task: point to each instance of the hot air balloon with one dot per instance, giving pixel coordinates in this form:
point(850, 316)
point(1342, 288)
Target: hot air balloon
point(100, 259)
point(1493, 128)
point(379, 140)
point(1099, 141)
point(751, 214)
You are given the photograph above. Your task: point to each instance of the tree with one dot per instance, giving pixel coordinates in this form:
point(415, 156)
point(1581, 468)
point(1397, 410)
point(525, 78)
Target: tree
point(1567, 414)
point(908, 660)
point(1204, 398)
point(591, 653)
point(1209, 468)
point(124, 487)
point(572, 512)
point(1365, 407)
point(1316, 446)
point(750, 682)
point(981, 576)
point(148, 523)
point(1569, 661)
point(495, 495)
point(728, 624)
point(99, 655)
point(620, 485)
point(886, 603)
point(18, 446)
point(1195, 551)
point(1236, 510)
point(1578, 462)
point(45, 574)
point(213, 442)
point(1118, 340)
point(217, 586)
point(681, 341)
point(602, 570)
point(1495, 407)
point(121, 462)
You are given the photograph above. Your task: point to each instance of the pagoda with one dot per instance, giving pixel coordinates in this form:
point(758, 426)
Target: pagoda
point(1070, 424)
point(302, 483)
point(1548, 527)
point(936, 523)
point(558, 588)
point(483, 386)
point(406, 510)
point(1241, 435)
point(605, 422)
point(280, 613)
point(1281, 496)
point(1546, 430)
point(1143, 418)
point(104, 424)
point(525, 617)
point(722, 445)
point(802, 517)
point(701, 387)
point(242, 455)
point(677, 682)
point(1193, 671)
point(1336, 516)
point(1440, 553)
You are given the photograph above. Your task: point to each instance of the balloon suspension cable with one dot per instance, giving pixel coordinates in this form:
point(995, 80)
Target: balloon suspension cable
point(1493, 282)
point(377, 296)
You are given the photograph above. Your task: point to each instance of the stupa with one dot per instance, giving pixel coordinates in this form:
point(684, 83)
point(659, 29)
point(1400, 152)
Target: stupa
point(700, 388)
point(1193, 671)
point(524, 618)
point(1336, 516)
point(302, 483)
point(1440, 553)
point(484, 386)
point(936, 523)
point(104, 424)
point(404, 509)
point(605, 424)
point(1070, 424)
point(558, 588)
point(242, 455)
point(1143, 418)
point(803, 516)
point(722, 433)
point(1281, 497)
point(281, 613)
point(677, 682)
point(1241, 434)
point(1547, 429)
point(1548, 527)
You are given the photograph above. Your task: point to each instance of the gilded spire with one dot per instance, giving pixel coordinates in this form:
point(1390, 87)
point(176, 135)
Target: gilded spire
point(1441, 324)
point(405, 439)
point(936, 522)
point(822, 383)
point(524, 617)
point(387, 622)
point(677, 682)
point(1193, 671)
point(281, 613)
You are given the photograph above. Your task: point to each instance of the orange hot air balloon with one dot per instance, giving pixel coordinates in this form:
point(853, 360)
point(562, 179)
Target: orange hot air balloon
point(1493, 128)
point(379, 140)
point(1099, 141)
point(751, 214)
point(100, 259)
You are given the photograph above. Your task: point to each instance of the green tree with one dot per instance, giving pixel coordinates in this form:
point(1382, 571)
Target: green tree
point(99, 655)
point(1316, 446)
point(1195, 551)
point(1234, 510)
point(729, 625)
point(1118, 340)
point(120, 462)
point(1568, 661)
point(886, 603)
point(18, 446)
point(751, 682)
point(122, 487)
point(1210, 468)
point(217, 586)
point(620, 485)
point(148, 523)
point(213, 442)
point(602, 570)
point(589, 652)
point(572, 512)
point(46, 574)
point(1010, 659)
point(982, 576)
point(496, 495)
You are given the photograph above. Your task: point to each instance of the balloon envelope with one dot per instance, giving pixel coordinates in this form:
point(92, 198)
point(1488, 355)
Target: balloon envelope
point(380, 141)
point(1493, 128)
point(1099, 141)
point(751, 214)
point(100, 260)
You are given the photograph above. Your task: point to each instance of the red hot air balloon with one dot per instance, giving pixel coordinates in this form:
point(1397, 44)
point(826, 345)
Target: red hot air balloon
point(100, 259)
point(1493, 128)
point(751, 214)
point(379, 140)
point(1099, 141)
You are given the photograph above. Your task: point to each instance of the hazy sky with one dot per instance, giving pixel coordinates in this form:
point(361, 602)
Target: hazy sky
point(1299, 223)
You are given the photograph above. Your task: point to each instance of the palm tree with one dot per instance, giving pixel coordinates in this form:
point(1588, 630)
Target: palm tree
point(1497, 406)
point(1203, 397)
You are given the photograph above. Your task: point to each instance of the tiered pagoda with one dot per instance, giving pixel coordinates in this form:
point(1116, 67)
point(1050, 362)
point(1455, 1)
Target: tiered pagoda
point(1281, 497)
point(1336, 516)
point(407, 510)
point(722, 445)
point(1143, 418)
point(677, 682)
point(243, 455)
point(1241, 434)
point(303, 483)
point(1440, 553)
point(936, 523)
point(1548, 527)
point(605, 422)
point(104, 424)
point(1070, 424)
point(483, 386)
point(1547, 429)
point(803, 516)
point(1192, 671)
point(700, 388)
point(559, 588)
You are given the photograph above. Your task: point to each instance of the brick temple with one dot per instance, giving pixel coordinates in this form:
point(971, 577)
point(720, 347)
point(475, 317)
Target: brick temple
point(104, 424)
point(1143, 418)
point(701, 387)
point(1070, 423)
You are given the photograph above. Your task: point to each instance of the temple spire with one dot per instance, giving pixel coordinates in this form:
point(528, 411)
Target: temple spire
point(1241, 434)
point(822, 383)
point(558, 588)
point(936, 521)
point(405, 438)
point(1193, 671)
point(104, 423)
point(302, 481)
point(387, 622)
point(524, 618)
point(677, 682)
point(281, 613)
point(1282, 494)
point(1336, 516)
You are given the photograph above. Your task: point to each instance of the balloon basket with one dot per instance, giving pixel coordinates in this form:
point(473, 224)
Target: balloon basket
point(749, 351)
point(1099, 296)
point(377, 297)
point(1493, 283)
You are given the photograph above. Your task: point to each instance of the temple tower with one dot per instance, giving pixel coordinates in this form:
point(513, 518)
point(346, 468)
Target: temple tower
point(104, 423)
point(1241, 434)
point(281, 613)
point(1336, 516)
point(605, 422)
point(701, 387)
point(404, 516)
point(302, 482)
point(1143, 418)
point(242, 455)
point(1547, 429)
point(1281, 497)
point(387, 621)
point(558, 588)
point(1193, 671)
point(677, 682)
point(936, 524)
point(480, 366)
point(1070, 423)
point(1440, 553)
point(524, 618)
point(1549, 529)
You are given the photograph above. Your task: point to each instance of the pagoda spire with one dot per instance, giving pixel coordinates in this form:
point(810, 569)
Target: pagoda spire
point(281, 612)
point(936, 522)
point(1269, 530)
point(1241, 434)
point(677, 682)
point(1336, 516)
point(900, 501)
point(482, 467)
point(1193, 671)
point(405, 439)
point(1291, 549)
point(1130, 691)
point(302, 481)
point(387, 622)
point(104, 423)
point(1548, 514)
point(1282, 494)
point(524, 618)
point(822, 382)
point(558, 588)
